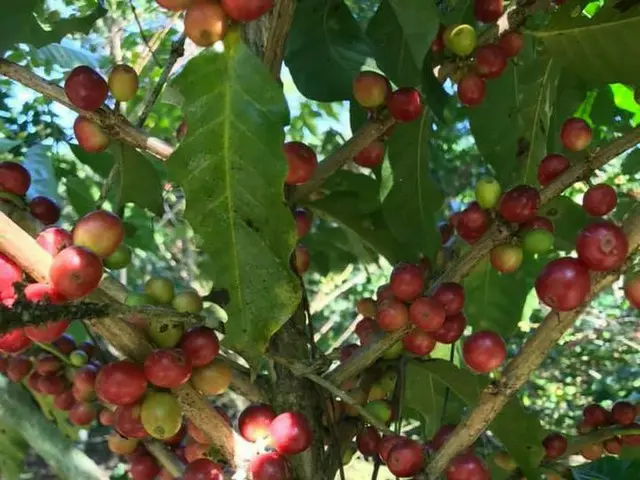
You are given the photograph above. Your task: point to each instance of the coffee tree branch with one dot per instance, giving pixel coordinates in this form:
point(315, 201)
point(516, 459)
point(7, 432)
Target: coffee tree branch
point(113, 123)
point(496, 235)
point(517, 371)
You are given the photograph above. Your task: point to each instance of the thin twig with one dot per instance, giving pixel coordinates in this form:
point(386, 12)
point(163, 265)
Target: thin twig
point(103, 355)
point(154, 43)
point(142, 34)
point(376, 469)
point(177, 51)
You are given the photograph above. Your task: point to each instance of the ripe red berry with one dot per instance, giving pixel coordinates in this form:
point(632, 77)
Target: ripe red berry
point(302, 162)
point(14, 341)
point(551, 167)
point(418, 342)
point(537, 222)
point(291, 433)
point(10, 273)
point(599, 200)
point(200, 345)
point(47, 332)
point(99, 231)
point(490, 61)
point(366, 330)
point(392, 315)
point(121, 383)
point(347, 351)
point(405, 104)
point(371, 156)
point(85, 88)
point(633, 440)
point(304, 219)
point(167, 368)
point(563, 284)
point(442, 435)
point(632, 290)
point(467, 466)
point(427, 314)
point(484, 351)
point(519, 204)
point(205, 23)
point(44, 209)
point(506, 258)
point(511, 43)
point(127, 421)
point(451, 330)
point(602, 246)
point(576, 134)
point(90, 136)
point(386, 444)
point(371, 89)
point(623, 413)
point(203, 469)
point(106, 417)
point(75, 272)
point(254, 421)
point(446, 231)
point(613, 445)
point(82, 413)
point(18, 367)
point(269, 466)
point(406, 281)
point(14, 178)
point(471, 90)
point(64, 401)
point(384, 292)
point(595, 415)
point(487, 11)
point(368, 441)
point(472, 222)
point(406, 458)
point(143, 467)
point(592, 452)
point(175, 5)
point(52, 384)
point(451, 296)
point(437, 46)
point(555, 445)
point(54, 239)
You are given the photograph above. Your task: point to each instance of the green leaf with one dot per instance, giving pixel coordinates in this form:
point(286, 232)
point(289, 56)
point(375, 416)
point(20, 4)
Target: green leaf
point(64, 56)
point(570, 95)
point(568, 219)
point(411, 199)
point(364, 188)
point(325, 50)
point(511, 125)
point(342, 207)
point(43, 177)
point(433, 92)
point(609, 468)
point(625, 100)
point(137, 179)
point(519, 431)
point(494, 300)
point(100, 163)
point(80, 196)
point(6, 144)
point(23, 26)
point(232, 170)
point(13, 448)
point(631, 162)
point(402, 32)
point(596, 49)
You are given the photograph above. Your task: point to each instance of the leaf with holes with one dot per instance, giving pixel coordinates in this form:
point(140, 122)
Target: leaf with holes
point(410, 197)
point(232, 170)
point(511, 125)
point(591, 47)
point(402, 32)
point(519, 431)
point(325, 50)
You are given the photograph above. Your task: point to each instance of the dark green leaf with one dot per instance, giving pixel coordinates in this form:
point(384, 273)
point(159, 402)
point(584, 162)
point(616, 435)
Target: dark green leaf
point(592, 47)
point(79, 194)
point(100, 163)
point(511, 125)
point(402, 32)
point(433, 92)
point(363, 186)
point(520, 432)
point(631, 162)
point(325, 50)
point(13, 449)
point(609, 468)
point(568, 219)
point(570, 94)
point(494, 300)
point(22, 25)
point(232, 170)
point(411, 199)
point(357, 116)
point(137, 179)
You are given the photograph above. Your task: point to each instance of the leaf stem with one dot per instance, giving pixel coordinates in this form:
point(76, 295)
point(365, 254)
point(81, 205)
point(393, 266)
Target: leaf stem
point(53, 351)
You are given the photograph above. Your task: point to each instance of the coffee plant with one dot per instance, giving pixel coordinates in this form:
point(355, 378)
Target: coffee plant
point(320, 239)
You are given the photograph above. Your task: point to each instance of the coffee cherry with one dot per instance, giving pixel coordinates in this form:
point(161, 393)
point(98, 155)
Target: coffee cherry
point(519, 204)
point(75, 272)
point(406, 281)
point(301, 259)
point(623, 413)
point(392, 315)
point(368, 441)
point(269, 466)
point(53, 240)
point(161, 415)
point(437, 45)
point(451, 330)
point(563, 284)
point(613, 445)
point(602, 246)
point(106, 417)
point(246, 10)
point(200, 345)
point(488, 192)
point(143, 467)
point(18, 367)
point(371, 89)
point(90, 136)
point(599, 200)
point(632, 290)
point(595, 415)
point(254, 421)
point(551, 167)
point(467, 466)
point(418, 342)
point(14, 341)
point(121, 383)
point(14, 178)
point(471, 90)
point(123, 82)
point(82, 413)
point(366, 307)
point(460, 39)
point(537, 241)
point(487, 11)
point(203, 469)
point(506, 258)
point(472, 223)
point(167, 368)
point(291, 433)
point(484, 351)
point(537, 222)
point(371, 156)
point(490, 61)
point(175, 5)
point(427, 314)
point(64, 401)
point(446, 231)
point(592, 452)
point(386, 444)
point(405, 104)
point(99, 231)
point(451, 296)
point(302, 162)
point(212, 379)
point(555, 445)
point(511, 43)
point(205, 23)
point(633, 440)
point(366, 330)
point(127, 421)
point(85, 88)
point(576, 134)
point(406, 458)
point(44, 209)
point(347, 351)
point(304, 219)
point(160, 289)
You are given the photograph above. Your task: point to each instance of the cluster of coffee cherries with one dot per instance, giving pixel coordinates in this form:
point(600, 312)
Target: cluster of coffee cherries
point(15, 180)
point(207, 21)
point(623, 415)
point(88, 90)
